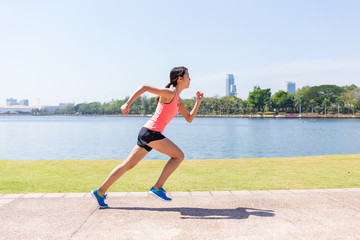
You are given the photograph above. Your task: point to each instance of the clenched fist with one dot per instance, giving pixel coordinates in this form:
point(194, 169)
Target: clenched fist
point(199, 96)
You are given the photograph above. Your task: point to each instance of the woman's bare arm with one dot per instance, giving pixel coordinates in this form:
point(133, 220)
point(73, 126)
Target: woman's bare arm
point(165, 93)
point(189, 116)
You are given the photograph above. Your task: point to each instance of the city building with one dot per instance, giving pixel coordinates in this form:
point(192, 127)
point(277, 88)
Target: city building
point(230, 85)
point(24, 102)
point(12, 102)
point(289, 87)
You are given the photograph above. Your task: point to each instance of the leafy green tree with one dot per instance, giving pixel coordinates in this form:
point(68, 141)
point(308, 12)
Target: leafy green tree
point(82, 108)
point(357, 99)
point(229, 104)
point(152, 105)
point(351, 98)
point(354, 105)
point(283, 100)
point(108, 108)
point(301, 96)
point(69, 109)
point(211, 105)
point(145, 104)
point(242, 106)
point(350, 88)
point(319, 93)
point(258, 98)
point(136, 107)
point(94, 108)
point(113, 107)
point(188, 103)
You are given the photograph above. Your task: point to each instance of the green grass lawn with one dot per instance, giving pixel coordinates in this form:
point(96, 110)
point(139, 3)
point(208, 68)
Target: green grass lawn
point(334, 171)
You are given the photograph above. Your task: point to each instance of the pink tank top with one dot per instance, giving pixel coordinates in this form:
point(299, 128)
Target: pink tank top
point(164, 113)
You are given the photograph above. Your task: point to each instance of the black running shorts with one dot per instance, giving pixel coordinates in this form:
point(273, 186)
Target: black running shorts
point(146, 136)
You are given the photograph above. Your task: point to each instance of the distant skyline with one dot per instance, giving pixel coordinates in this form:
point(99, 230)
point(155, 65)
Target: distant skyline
point(85, 51)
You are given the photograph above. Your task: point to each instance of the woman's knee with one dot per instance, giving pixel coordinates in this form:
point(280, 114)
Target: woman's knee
point(179, 156)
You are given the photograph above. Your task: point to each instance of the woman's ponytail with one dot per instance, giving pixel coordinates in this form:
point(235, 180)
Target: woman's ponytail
point(168, 86)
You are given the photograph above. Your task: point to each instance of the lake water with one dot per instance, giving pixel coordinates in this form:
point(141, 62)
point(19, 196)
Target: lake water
point(65, 138)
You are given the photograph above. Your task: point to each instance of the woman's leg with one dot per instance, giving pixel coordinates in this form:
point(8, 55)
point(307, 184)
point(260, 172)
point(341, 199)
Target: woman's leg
point(177, 156)
point(134, 158)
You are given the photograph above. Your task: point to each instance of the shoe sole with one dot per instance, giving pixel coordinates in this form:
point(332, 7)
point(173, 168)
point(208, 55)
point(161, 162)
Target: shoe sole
point(93, 195)
point(153, 194)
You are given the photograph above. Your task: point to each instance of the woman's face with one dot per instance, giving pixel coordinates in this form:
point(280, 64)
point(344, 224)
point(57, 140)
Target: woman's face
point(186, 79)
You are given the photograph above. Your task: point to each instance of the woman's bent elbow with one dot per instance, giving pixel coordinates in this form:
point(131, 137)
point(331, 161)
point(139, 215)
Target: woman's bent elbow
point(191, 118)
point(144, 87)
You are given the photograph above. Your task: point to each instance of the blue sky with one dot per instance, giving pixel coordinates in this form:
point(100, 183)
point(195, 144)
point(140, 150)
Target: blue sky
point(84, 51)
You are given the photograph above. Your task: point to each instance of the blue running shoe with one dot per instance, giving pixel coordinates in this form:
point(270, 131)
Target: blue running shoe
point(99, 199)
point(161, 193)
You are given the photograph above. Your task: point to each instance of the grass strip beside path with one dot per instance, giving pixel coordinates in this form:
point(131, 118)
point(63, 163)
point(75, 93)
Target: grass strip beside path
point(316, 172)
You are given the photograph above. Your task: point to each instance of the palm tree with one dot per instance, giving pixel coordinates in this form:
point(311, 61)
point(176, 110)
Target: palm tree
point(353, 104)
point(312, 102)
point(338, 102)
point(298, 99)
point(324, 105)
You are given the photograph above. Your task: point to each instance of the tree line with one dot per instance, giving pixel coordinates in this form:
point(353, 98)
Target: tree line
point(323, 99)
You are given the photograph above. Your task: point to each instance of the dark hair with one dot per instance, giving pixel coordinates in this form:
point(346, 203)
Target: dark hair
point(175, 73)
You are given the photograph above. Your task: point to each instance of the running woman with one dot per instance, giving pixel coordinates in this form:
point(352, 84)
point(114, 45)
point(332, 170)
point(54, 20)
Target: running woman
point(151, 137)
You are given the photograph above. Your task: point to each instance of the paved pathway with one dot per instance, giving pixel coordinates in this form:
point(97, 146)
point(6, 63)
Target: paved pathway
point(279, 214)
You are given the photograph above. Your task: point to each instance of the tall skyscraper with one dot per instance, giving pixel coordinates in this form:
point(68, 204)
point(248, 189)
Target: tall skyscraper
point(24, 102)
point(289, 87)
point(230, 85)
point(11, 102)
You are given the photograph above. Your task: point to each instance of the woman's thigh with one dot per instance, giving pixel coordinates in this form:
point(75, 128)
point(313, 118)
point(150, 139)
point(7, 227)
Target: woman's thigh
point(166, 146)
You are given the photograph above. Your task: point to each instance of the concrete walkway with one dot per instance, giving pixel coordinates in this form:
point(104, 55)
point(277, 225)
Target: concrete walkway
point(282, 214)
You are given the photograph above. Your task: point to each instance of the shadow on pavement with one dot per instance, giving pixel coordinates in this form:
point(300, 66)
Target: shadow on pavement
point(205, 213)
